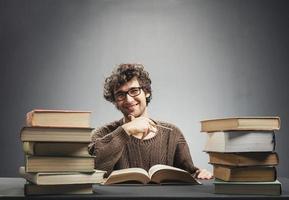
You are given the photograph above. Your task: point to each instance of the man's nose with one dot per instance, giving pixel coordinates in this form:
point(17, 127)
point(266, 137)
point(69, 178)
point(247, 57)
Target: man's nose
point(129, 98)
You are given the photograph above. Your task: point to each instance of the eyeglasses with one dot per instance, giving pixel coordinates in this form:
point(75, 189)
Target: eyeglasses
point(133, 92)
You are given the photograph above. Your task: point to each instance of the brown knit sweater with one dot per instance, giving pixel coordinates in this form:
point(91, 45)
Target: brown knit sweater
point(114, 149)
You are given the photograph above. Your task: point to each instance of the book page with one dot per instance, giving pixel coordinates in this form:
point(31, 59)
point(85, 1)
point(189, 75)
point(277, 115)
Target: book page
point(159, 167)
point(168, 174)
point(127, 175)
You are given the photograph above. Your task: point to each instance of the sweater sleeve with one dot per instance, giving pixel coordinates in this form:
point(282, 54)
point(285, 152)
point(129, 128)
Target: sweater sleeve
point(107, 146)
point(182, 158)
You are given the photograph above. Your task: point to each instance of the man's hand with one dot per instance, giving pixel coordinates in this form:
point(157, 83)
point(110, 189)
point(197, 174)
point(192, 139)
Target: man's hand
point(139, 126)
point(204, 174)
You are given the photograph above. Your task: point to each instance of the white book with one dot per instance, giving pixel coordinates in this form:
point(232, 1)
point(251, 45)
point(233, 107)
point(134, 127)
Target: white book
point(240, 141)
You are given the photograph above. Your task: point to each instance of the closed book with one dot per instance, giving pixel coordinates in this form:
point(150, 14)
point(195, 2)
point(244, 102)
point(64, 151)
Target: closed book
point(58, 118)
point(240, 141)
point(49, 134)
point(32, 189)
point(62, 178)
point(248, 188)
point(59, 164)
point(241, 123)
point(244, 159)
point(252, 173)
point(76, 149)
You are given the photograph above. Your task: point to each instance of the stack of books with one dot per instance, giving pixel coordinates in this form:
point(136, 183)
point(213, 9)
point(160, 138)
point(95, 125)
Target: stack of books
point(56, 154)
point(242, 152)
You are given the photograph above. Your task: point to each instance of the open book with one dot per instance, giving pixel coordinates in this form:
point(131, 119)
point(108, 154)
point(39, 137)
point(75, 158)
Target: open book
point(156, 174)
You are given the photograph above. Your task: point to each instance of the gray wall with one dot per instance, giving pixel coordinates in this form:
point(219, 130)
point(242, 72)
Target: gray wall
point(207, 59)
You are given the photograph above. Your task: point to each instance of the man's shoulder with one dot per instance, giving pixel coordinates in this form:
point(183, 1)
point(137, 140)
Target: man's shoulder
point(110, 126)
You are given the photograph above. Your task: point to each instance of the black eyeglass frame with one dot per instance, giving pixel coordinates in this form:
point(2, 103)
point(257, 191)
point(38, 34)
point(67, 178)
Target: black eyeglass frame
point(120, 96)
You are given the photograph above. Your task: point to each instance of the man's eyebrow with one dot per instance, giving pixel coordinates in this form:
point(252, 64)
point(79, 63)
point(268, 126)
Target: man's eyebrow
point(122, 91)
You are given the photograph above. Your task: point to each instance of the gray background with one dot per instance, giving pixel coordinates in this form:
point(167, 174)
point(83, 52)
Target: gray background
point(206, 58)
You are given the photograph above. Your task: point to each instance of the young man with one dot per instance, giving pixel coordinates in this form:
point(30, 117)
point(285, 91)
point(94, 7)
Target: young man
point(136, 140)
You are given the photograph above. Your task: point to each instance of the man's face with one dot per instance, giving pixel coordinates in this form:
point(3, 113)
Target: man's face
point(135, 106)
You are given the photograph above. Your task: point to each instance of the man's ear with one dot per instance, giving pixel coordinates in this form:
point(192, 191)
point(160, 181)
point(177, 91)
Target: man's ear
point(148, 95)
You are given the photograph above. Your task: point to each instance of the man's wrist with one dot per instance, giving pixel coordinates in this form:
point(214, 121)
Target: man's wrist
point(126, 129)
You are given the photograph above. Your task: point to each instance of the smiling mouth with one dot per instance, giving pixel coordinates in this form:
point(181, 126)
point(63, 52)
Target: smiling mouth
point(131, 106)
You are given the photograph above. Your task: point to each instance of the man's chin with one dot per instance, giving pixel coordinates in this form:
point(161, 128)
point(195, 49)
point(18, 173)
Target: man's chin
point(135, 115)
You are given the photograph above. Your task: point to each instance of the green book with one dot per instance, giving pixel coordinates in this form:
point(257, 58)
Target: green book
point(255, 188)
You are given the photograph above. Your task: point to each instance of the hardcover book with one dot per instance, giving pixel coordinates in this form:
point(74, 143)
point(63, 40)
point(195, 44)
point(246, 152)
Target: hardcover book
point(244, 159)
point(241, 123)
point(59, 164)
point(58, 118)
point(52, 134)
point(254, 173)
point(56, 149)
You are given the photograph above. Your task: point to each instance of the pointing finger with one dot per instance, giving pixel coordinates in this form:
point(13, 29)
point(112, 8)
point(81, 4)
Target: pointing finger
point(153, 129)
point(152, 123)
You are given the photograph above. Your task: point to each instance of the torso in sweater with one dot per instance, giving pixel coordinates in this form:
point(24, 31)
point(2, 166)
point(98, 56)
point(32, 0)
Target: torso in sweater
point(114, 149)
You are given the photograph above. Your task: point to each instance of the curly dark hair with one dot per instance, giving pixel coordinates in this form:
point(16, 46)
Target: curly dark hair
point(124, 73)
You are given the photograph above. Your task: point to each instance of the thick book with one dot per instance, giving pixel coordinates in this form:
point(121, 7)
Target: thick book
point(240, 141)
point(59, 164)
point(32, 189)
point(76, 149)
point(156, 174)
point(244, 159)
point(253, 173)
point(62, 178)
point(52, 134)
point(241, 123)
point(58, 118)
point(248, 188)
